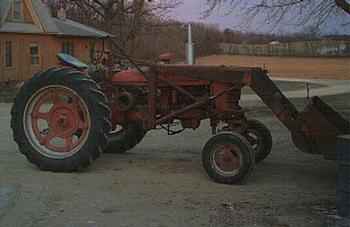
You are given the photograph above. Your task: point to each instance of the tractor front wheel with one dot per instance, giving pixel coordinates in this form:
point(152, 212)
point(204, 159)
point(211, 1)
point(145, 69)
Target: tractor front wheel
point(228, 158)
point(60, 120)
point(260, 138)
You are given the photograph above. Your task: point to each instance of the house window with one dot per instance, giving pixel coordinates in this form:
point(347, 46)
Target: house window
point(68, 48)
point(34, 54)
point(8, 54)
point(17, 10)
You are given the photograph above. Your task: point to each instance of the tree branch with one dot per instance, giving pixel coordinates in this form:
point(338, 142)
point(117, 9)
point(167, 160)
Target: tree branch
point(343, 4)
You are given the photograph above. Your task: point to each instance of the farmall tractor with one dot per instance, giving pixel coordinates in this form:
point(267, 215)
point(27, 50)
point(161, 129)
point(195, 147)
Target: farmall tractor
point(63, 119)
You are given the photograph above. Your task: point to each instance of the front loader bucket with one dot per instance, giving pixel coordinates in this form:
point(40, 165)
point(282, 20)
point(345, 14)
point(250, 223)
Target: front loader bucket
point(319, 130)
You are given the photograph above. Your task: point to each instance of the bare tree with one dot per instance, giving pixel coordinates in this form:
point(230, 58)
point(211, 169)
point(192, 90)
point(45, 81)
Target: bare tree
point(123, 18)
point(299, 12)
point(116, 12)
point(128, 20)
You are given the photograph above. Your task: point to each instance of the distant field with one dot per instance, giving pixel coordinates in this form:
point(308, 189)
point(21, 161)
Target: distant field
point(292, 67)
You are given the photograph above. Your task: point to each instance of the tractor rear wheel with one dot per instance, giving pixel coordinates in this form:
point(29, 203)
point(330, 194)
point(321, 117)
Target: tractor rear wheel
point(125, 138)
point(260, 138)
point(60, 120)
point(228, 158)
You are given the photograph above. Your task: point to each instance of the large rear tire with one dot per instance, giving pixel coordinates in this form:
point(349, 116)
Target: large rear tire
point(125, 139)
point(60, 120)
point(228, 158)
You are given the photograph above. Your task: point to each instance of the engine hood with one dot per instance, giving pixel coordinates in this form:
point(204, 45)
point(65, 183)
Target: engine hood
point(129, 77)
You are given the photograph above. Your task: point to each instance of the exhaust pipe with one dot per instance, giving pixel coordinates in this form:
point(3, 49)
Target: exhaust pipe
point(190, 47)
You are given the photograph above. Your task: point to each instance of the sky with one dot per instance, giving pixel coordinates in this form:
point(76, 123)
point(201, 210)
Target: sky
point(191, 10)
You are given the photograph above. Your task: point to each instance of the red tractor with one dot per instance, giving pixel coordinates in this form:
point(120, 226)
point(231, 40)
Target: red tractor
point(63, 119)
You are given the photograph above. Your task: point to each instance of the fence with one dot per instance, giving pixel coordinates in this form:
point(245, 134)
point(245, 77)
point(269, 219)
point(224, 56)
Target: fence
point(324, 48)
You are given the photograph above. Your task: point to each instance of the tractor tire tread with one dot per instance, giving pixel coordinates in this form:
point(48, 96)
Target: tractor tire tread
point(266, 137)
point(248, 158)
point(98, 109)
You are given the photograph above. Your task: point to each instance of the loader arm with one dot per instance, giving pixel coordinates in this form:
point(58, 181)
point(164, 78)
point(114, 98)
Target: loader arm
point(314, 130)
point(272, 96)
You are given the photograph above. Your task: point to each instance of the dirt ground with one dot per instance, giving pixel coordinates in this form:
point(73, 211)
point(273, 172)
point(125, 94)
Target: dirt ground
point(292, 67)
point(161, 183)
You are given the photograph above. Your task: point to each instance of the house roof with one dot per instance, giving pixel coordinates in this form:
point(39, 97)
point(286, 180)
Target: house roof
point(48, 24)
point(20, 28)
point(72, 28)
point(4, 7)
point(44, 15)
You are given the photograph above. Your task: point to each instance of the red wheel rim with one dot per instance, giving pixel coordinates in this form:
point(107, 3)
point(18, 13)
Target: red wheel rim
point(227, 159)
point(57, 121)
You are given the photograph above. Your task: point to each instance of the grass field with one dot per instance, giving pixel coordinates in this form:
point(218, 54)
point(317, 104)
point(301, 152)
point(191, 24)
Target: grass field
point(292, 67)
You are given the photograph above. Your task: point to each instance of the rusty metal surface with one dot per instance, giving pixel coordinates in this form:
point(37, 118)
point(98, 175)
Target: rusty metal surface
point(321, 126)
point(342, 125)
point(178, 88)
point(203, 72)
point(272, 96)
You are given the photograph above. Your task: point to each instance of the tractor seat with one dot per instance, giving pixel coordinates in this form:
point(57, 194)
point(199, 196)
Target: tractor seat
point(68, 60)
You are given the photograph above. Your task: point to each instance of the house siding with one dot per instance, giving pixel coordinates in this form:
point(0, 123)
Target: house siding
point(49, 46)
